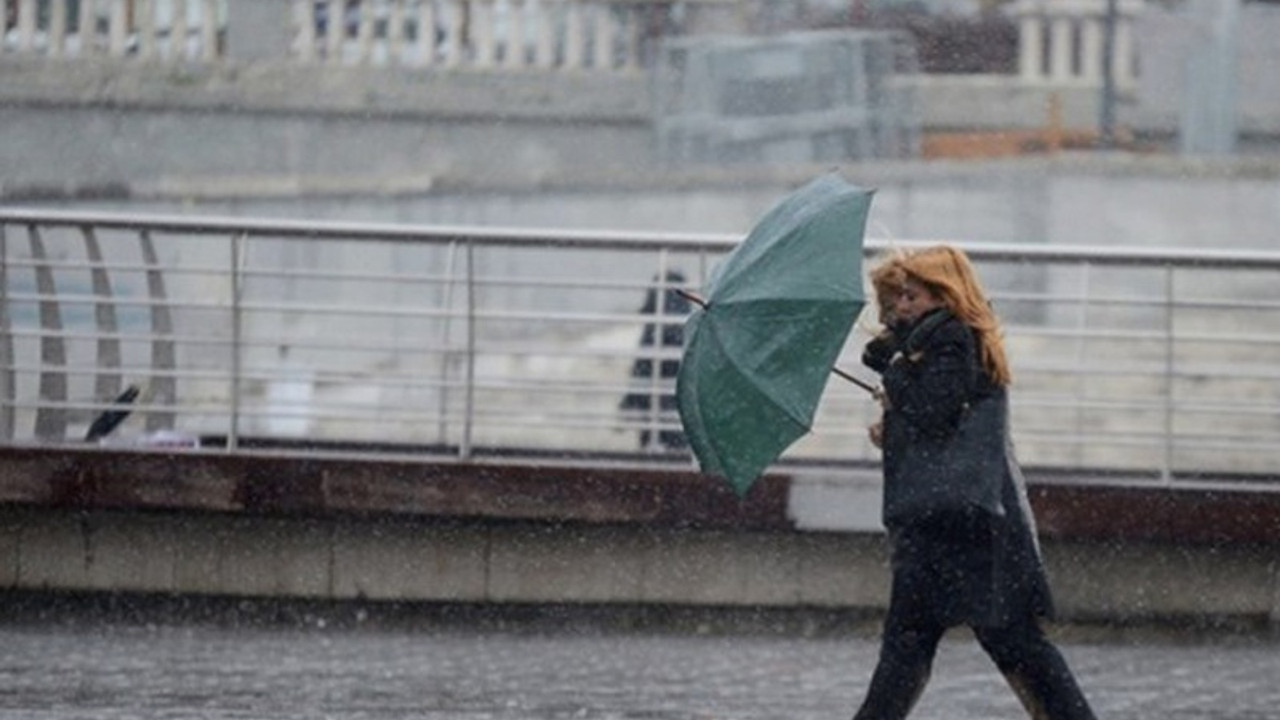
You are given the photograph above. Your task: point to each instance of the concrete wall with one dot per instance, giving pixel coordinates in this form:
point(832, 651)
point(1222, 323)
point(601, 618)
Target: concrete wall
point(111, 127)
point(384, 559)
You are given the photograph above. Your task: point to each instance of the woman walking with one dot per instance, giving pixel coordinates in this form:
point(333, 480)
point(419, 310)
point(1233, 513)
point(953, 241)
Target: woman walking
point(963, 543)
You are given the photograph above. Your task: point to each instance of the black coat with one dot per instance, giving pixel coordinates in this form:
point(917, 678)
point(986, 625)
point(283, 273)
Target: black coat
point(962, 568)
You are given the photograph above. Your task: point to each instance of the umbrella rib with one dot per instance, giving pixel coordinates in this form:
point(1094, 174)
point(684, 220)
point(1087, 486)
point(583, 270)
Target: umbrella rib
point(724, 457)
point(744, 372)
point(811, 210)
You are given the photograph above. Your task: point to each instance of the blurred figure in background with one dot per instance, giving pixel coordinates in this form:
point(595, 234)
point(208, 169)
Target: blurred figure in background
point(652, 399)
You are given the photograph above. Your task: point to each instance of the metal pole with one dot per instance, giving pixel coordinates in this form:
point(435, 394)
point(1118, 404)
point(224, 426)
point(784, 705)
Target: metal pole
point(446, 357)
point(1166, 472)
point(8, 382)
point(237, 340)
point(464, 447)
point(657, 350)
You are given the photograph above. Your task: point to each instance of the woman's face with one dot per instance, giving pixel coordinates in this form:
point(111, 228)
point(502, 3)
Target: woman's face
point(914, 300)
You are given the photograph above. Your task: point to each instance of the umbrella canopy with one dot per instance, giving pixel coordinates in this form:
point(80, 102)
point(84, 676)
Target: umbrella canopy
point(777, 312)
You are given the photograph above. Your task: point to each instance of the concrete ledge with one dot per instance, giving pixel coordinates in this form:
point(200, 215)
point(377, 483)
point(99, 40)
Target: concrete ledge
point(300, 483)
point(429, 560)
point(208, 524)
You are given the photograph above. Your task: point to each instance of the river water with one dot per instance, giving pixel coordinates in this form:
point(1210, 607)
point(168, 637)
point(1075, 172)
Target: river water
point(105, 671)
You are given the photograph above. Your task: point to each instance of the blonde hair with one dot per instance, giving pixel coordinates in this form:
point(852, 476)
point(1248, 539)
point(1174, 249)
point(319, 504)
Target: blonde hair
point(948, 274)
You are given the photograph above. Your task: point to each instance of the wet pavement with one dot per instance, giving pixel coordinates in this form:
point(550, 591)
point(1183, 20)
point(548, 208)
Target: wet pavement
point(104, 671)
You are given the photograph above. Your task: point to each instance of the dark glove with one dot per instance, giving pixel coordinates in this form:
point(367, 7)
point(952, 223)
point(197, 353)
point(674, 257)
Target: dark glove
point(879, 351)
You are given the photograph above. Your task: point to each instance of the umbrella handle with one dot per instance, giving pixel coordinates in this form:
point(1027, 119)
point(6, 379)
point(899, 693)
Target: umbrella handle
point(692, 297)
point(865, 386)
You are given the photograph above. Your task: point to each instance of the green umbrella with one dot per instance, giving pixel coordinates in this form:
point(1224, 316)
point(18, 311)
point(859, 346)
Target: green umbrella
point(778, 309)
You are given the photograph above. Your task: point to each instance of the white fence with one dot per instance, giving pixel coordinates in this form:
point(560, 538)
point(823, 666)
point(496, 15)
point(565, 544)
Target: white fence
point(544, 34)
point(1063, 41)
point(547, 34)
point(469, 341)
point(145, 30)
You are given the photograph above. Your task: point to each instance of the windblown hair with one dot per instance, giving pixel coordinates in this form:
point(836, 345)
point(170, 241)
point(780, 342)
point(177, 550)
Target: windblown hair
point(948, 274)
point(887, 279)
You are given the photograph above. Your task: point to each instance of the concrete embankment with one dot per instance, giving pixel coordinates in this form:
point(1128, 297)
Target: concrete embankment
point(409, 530)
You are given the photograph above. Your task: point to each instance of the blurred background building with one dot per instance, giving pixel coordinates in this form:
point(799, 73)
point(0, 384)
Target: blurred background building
point(140, 95)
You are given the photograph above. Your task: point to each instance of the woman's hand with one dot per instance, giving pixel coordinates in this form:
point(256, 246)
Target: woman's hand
point(876, 434)
point(882, 398)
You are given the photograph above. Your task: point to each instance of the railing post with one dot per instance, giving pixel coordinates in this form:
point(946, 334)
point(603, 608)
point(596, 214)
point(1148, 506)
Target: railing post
point(177, 32)
point(237, 341)
point(117, 29)
point(335, 32)
point(468, 422)
point(425, 11)
point(209, 27)
point(632, 45)
point(164, 357)
point(57, 28)
point(146, 24)
point(26, 25)
point(1060, 47)
point(1081, 354)
point(573, 36)
point(482, 32)
point(1166, 472)
point(446, 331)
point(453, 47)
point(395, 33)
point(657, 350)
point(1093, 48)
point(8, 383)
point(513, 52)
point(364, 33)
point(108, 380)
point(304, 19)
point(51, 422)
point(602, 55)
point(544, 50)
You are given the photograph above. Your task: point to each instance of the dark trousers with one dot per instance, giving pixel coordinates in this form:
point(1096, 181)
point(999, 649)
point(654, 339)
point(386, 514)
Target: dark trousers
point(1034, 668)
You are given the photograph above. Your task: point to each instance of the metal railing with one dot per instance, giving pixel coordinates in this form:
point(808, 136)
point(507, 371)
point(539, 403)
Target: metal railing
point(466, 342)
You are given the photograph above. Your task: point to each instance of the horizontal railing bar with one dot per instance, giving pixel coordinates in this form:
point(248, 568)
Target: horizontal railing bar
point(1182, 370)
point(139, 268)
point(386, 232)
point(1078, 302)
point(336, 275)
point(393, 311)
point(1068, 299)
point(1212, 258)
point(142, 301)
point(1142, 336)
point(1031, 401)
